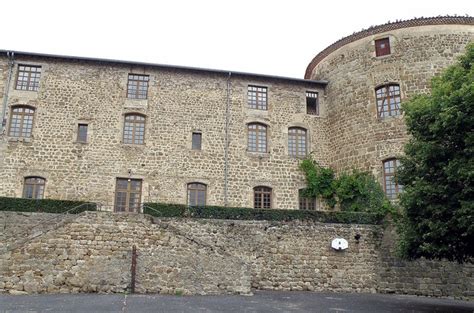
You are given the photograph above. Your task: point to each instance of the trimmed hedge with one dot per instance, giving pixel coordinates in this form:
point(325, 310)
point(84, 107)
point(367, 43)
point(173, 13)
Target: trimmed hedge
point(216, 212)
point(45, 205)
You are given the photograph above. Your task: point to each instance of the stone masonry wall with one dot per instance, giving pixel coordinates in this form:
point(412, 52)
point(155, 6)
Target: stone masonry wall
point(92, 253)
point(437, 278)
point(179, 102)
point(358, 138)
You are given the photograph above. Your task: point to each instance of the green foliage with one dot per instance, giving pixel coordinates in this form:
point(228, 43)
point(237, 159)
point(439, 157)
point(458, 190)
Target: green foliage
point(320, 181)
point(45, 205)
point(216, 212)
point(438, 169)
point(360, 192)
point(352, 192)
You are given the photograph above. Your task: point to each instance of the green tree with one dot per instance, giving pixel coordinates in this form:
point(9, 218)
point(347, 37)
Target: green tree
point(438, 168)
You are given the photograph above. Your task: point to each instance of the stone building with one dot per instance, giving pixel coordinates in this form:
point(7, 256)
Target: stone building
point(122, 133)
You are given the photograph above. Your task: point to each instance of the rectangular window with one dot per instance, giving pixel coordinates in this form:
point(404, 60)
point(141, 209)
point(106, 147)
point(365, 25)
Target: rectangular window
point(257, 97)
point(297, 142)
point(134, 129)
point(262, 197)
point(21, 121)
point(82, 133)
point(312, 104)
point(307, 203)
point(28, 77)
point(391, 186)
point(388, 100)
point(137, 87)
point(197, 194)
point(128, 195)
point(257, 138)
point(382, 47)
point(34, 188)
point(197, 137)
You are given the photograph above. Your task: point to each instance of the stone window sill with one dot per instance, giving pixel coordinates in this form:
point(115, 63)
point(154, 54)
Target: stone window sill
point(259, 155)
point(130, 145)
point(19, 139)
point(388, 119)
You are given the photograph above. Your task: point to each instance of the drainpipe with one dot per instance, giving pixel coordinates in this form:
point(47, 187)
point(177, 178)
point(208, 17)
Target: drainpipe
point(11, 58)
point(226, 148)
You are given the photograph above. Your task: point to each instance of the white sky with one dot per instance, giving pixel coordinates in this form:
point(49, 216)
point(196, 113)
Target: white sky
point(267, 37)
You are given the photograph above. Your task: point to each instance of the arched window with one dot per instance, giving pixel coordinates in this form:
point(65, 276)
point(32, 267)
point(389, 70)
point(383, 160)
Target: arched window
point(257, 138)
point(307, 203)
point(390, 184)
point(21, 121)
point(134, 129)
point(197, 194)
point(388, 100)
point(33, 187)
point(297, 146)
point(262, 197)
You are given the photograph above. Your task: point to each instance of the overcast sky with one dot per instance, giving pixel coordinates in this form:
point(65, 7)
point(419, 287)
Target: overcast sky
point(267, 37)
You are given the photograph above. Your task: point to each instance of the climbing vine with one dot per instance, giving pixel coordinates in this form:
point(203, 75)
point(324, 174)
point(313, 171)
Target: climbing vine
point(354, 191)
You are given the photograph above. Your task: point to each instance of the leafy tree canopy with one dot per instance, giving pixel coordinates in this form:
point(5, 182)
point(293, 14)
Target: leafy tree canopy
point(438, 168)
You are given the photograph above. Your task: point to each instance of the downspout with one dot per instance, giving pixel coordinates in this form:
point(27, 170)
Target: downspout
point(226, 148)
point(11, 58)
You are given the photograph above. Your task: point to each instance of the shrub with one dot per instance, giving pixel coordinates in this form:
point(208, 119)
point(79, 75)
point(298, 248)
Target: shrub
point(45, 205)
point(216, 212)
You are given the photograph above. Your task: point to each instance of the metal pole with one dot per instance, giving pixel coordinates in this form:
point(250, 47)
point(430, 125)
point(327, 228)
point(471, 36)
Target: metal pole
point(133, 269)
point(11, 59)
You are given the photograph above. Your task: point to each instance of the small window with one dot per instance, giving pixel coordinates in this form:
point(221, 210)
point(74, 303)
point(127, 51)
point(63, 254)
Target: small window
point(196, 144)
point(34, 187)
point(134, 129)
point(28, 77)
point(388, 100)
point(128, 195)
point(137, 87)
point(197, 194)
point(312, 103)
point(257, 138)
point(297, 146)
point(82, 132)
point(382, 47)
point(262, 197)
point(391, 186)
point(307, 203)
point(21, 121)
point(257, 97)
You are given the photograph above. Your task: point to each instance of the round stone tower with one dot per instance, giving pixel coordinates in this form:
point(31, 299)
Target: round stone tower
point(371, 73)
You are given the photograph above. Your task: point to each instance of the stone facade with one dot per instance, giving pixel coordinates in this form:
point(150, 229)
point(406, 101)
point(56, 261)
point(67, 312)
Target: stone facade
point(91, 252)
point(179, 102)
point(346, 134)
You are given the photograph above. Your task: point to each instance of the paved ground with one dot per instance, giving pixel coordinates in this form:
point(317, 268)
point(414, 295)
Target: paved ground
point(271, 302)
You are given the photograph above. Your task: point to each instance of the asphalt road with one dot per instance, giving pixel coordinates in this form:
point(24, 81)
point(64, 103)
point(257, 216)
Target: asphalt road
point(268, 302)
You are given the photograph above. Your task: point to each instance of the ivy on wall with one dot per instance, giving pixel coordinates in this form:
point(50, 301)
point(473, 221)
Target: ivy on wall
point(354, 191)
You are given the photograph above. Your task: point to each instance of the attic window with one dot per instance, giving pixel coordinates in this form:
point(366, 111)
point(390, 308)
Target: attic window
point(312, 105)
point(382, 47)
